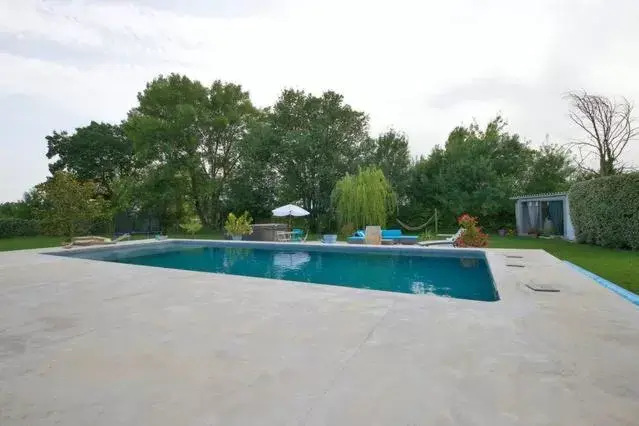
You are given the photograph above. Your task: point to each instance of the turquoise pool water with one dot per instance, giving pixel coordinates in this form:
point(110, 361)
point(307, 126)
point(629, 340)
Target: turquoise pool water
point(459, 277)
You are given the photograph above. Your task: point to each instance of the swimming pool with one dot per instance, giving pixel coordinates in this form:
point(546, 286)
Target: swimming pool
point(450, 273)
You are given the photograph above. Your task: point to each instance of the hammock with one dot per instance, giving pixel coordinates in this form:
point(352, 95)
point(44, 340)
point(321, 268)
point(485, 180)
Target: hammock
point(420, 227)
point(414, 228)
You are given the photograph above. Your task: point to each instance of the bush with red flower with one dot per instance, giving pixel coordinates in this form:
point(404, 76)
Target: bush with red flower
point(472, 235)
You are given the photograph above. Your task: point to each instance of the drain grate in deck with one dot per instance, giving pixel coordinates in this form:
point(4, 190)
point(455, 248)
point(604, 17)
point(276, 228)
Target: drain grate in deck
point(542, 288)
point(515, 265)
point(514, 256)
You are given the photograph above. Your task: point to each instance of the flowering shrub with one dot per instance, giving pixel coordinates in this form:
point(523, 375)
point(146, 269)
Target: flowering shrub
point(473, 235)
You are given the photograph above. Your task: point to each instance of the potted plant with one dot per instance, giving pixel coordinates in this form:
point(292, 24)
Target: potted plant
point(504, 229)
point(330, 237)
point(238, 226)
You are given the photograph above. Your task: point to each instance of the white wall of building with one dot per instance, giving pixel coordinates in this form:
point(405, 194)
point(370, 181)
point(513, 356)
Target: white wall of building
point(570, 230)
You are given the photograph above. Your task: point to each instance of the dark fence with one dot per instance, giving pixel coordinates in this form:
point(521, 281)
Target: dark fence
point(126, 223)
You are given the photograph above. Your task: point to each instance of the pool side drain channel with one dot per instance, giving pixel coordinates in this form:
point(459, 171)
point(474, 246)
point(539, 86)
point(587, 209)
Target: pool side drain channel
point(542, 288)
point(513, 256)
point(515, 265)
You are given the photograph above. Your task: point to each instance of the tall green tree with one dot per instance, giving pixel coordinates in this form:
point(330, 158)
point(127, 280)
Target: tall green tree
point(194, 131)
point(390, 153)
point(16, 209)
point(98, 152)
point(318, 140)
point(551, 169)
point(423, 188)
point(153, 192)
point(475, 172)
point(69, 206)
point(365, 198)
point(254, 184)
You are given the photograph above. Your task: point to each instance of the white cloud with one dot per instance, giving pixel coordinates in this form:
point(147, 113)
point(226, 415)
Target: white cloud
point(422, 67)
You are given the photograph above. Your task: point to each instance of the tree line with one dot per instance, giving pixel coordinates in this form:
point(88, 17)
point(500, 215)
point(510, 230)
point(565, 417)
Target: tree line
point(187, 149)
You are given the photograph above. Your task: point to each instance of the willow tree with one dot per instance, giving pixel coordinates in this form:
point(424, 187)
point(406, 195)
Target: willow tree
point(363, 199)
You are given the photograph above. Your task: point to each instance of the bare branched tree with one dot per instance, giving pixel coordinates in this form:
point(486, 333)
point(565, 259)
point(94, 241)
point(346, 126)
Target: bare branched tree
point(609, 127)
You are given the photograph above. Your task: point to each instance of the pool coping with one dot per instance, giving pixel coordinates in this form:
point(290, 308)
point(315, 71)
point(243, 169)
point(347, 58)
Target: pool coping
point(185, 338)
point(360, 249)
point(499, 267)
point(626, 294)
point(498, 263)
point(313, 246)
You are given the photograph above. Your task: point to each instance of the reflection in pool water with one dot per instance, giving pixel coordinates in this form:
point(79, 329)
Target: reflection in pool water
point(466, 278)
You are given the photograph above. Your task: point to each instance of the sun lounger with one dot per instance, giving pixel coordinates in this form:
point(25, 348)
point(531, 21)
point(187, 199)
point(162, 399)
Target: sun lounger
point(397, 236)
point(448, 241)
point(389, 236)
point(358, 237)
point(92, 240)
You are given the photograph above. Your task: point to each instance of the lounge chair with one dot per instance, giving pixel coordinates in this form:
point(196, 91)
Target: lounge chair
point(282, 236)
point(298, 235)
point(397, 237)
point(92, 240)
point(358, 237)
point(389, 236)
point(448, 241)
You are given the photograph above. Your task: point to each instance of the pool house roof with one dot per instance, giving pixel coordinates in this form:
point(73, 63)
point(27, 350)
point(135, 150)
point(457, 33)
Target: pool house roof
point(542, 195)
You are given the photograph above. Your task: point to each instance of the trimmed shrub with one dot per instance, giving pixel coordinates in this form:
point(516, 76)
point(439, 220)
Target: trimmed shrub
point(605, 211)
point(14, 227)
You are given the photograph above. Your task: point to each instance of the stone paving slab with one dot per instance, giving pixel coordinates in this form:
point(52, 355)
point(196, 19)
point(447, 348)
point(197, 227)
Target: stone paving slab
point(90, 342)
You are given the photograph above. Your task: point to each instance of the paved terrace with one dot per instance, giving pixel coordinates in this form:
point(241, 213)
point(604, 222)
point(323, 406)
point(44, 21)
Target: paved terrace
point(93, 343)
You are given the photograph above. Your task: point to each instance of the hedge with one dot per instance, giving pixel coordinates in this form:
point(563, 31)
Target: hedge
point(605, 211)
point(14, 227)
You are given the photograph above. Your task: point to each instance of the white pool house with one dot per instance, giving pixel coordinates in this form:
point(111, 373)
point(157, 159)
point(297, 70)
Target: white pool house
point(543, 213)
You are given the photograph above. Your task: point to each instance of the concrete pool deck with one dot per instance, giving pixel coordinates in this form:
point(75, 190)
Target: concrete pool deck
point(89, 342)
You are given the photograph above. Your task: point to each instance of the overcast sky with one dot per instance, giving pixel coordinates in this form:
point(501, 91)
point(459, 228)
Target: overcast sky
point(419, 66)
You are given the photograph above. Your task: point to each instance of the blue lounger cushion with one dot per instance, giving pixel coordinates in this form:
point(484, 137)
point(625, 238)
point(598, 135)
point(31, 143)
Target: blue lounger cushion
point(390, 234)
point(396, 234)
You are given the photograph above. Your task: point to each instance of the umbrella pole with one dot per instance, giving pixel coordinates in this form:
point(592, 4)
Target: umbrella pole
point(290, 223)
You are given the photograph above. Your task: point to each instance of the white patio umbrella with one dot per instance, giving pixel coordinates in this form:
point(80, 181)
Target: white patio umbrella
point(289, 210)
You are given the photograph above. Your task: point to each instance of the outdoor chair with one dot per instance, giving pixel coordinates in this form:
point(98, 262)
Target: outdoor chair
point(448, 241)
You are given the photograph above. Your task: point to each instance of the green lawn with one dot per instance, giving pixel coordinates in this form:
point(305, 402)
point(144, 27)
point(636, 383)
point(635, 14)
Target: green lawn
point(619, 266)
point(21, 243)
